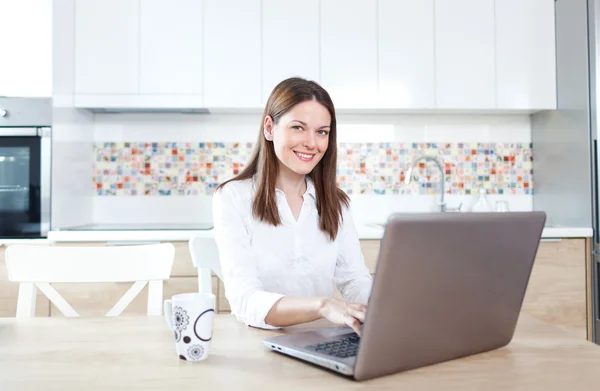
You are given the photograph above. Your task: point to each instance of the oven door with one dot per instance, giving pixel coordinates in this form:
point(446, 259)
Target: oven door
point(20, 183)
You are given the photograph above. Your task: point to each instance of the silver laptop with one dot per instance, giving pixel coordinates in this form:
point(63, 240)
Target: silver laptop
point(447, 285)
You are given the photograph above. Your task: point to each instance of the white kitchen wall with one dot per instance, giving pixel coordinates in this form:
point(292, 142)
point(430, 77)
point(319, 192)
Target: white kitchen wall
point(72, 148)
point(72, 131)
point(356, 128)
point(26, 48)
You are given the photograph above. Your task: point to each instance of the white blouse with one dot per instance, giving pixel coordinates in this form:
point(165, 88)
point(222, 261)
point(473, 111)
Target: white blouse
point(262, 263)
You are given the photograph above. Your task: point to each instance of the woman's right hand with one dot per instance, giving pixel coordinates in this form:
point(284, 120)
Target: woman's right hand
point(342, 312)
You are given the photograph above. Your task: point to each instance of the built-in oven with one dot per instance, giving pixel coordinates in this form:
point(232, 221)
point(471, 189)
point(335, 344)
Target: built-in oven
point(25, 167)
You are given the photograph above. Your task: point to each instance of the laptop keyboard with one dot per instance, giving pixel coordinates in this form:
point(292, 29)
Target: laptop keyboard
point(342, 348)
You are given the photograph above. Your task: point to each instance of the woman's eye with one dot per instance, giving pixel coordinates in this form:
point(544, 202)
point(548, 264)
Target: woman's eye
point(297, 127)
point(324, 132)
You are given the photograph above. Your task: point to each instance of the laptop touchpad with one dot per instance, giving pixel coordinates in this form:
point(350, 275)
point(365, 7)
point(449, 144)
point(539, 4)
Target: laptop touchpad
point(330, 332)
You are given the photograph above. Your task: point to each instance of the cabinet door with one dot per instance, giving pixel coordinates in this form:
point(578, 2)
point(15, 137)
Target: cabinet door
point(232, 53)
point(171, 47)
point(370, 251)
point(556, 292)
point(107, 46)
point(26, 48)
point(406, 64)
point(464, 54)
point(290, 42)
point(349, 52)
point(525, 54)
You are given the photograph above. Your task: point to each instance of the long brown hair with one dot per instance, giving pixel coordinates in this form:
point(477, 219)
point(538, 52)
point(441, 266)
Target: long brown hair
point(264, 163)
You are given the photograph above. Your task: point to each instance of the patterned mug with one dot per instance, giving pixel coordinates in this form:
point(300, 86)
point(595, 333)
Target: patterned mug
point(190, 317)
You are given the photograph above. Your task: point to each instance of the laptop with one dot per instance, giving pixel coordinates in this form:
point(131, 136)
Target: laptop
point(447, 285)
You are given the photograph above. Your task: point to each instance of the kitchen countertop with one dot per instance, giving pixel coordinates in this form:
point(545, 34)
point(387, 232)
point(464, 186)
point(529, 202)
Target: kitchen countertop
point(200, 226)
point(365, 232)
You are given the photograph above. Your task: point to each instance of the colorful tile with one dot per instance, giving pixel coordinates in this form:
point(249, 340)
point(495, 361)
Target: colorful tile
point(181, 168)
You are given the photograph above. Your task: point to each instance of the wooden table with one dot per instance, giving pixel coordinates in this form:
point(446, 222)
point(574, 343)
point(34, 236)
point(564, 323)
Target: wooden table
point(138, 353)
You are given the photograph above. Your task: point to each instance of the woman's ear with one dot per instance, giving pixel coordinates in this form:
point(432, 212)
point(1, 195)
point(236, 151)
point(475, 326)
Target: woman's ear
point(268, 128)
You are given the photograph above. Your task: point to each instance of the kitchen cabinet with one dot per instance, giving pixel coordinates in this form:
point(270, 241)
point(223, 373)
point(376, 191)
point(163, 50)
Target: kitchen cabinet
point(290, 39)
point(464, 54)
point(182, 264)
point(456, 55)
point(349, 52)
point(525, 54)
point(406, 54)
point(370, 251)
point(138, 54)
point(171, 48)
point(557, 287)
point(232, 53)
point(107, 47)
point(9, 292)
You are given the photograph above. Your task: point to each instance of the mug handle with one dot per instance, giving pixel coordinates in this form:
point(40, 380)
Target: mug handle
point(168, 310)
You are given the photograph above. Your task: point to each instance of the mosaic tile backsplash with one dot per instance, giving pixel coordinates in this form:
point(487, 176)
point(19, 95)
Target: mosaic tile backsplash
point(179, 168)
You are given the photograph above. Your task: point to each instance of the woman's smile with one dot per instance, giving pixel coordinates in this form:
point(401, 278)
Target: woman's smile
point(305, 157)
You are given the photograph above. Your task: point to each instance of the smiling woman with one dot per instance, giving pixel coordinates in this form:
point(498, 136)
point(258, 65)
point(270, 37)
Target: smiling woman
point(284, 229)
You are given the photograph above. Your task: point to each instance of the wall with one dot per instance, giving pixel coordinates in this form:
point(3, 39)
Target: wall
point(374, 152)
point(26, 48)
point(561, 138)
point(72, 131)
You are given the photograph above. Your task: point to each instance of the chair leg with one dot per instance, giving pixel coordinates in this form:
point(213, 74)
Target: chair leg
point(56, 299)
point(155, 297)
point(204, 281)
point(127, 298)
point(26, 300)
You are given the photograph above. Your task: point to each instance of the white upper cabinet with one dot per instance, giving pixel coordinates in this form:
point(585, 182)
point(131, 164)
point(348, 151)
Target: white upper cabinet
point(138, 54)
point(464, 54)
point(26, 48)
point(232, 53)
point(107, 47)
point(171, 47)
point(525, 54)
point(349, 52)
point(290, 36)
point(368, 54)
point(406, 54)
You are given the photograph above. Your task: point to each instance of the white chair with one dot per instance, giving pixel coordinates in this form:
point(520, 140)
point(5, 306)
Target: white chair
point(40, 266)
point(205, 257)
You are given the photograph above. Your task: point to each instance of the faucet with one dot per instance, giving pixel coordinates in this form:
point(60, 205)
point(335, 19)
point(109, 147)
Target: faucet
point(408, 179)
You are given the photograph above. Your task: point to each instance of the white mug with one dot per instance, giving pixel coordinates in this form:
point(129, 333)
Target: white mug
point(190, 317)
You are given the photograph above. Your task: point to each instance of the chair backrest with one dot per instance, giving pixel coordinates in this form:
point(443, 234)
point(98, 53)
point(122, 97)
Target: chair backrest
point(205, 257)
point(40, 266)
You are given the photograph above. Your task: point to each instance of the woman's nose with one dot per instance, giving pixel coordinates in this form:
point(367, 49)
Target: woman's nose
point(310, 140)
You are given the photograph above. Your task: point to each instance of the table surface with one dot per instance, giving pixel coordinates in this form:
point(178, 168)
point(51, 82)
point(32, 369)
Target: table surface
point(138, 353)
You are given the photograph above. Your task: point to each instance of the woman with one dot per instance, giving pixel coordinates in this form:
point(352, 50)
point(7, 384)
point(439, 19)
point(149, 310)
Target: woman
point(284, 230)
